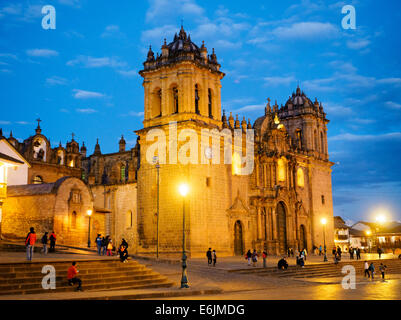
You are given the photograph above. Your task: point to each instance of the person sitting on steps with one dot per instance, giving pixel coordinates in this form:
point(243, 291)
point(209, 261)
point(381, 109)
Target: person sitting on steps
point(72, 276)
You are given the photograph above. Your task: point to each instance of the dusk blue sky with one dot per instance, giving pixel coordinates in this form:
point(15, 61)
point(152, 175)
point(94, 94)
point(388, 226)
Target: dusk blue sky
point(83, 76)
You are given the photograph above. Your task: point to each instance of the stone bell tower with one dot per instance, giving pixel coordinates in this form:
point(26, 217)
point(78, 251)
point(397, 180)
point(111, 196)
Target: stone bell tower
point(182, 87)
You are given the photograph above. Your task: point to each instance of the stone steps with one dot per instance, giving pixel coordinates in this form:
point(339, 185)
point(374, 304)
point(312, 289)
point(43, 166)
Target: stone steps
point(26, 277)
point(324, 269)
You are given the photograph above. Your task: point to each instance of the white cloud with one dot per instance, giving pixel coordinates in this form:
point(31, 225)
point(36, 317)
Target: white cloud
point(366, 137)
point(306, 30)
point(358, 44)
point(91, 62)
point(87, 110)
point(82, 94)
point(166, 8)
point(71, 3)
point(41, 53)
point(279, 81)
point(136, 114)
point(52, 81)
point(252, 107)
point(112, 31)
point(393, 105)
point(3, 122)
point(128, 73)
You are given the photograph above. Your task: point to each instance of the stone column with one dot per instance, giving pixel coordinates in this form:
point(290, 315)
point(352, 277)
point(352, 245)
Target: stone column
point(259, 223)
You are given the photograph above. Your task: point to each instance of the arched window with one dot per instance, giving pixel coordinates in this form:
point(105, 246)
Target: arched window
point(210, 103)
point(122, 173)
point(322, 148)
point(157, 103)
point(300, 178)
point(316, 142)
point(175, 100)
point(298, 134)
point(37, 180)
point(196, 99)
point(236, 164)
point(281, 169)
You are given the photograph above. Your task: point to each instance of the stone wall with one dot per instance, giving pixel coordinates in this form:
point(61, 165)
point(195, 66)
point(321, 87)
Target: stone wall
point(21, 213)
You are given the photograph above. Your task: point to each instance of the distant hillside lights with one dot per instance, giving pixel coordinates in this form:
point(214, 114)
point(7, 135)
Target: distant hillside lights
point(188, 153)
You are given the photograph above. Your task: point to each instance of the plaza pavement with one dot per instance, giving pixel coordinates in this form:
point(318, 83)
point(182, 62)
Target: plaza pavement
point(207, 282)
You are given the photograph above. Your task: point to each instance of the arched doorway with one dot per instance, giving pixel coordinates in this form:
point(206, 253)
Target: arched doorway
point(238, 239)
point(282, 227)
point(302, 237)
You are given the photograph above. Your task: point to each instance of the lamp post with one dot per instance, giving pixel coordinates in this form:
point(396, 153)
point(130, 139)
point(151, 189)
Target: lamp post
point(89, 213)
point(324, 221)
point(368, 233)
point(183, 189)
point(156, 161)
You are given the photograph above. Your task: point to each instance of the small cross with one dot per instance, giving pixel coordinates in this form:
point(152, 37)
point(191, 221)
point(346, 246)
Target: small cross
point(73, 135)
point(39, 121)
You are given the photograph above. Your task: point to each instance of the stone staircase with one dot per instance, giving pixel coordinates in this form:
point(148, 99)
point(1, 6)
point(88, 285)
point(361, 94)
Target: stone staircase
point(323, 269)
point(101, 274)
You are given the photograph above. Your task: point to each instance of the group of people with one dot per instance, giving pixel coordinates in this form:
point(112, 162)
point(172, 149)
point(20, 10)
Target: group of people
point(105, 247)
point(253, 257)
point(211, 257)
point(370, 270)
point(355, 252)
point(31, 239)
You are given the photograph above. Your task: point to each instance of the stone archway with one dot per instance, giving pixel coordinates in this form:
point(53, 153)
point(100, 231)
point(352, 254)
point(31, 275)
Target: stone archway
point(282, 227)
point(302, 237)
point(238, 239)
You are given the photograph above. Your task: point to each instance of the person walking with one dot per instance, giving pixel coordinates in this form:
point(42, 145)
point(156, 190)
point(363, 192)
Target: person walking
point(358, 254)
point(44, 243)
point(209, 256)
point(110, 248)
point(305, 253)
point(366, 268)
point(372, 270)
point(248, 256)
point(254, 257)
point(264, 256)
point(72, 278)
point(289, 252)
point(382, 269)
point(292, 252)
point(30, 243)
point(52, 242)
point(99, 244)
point(214, 256)
point(320, 250)
point(379, 251)
point(105, 241)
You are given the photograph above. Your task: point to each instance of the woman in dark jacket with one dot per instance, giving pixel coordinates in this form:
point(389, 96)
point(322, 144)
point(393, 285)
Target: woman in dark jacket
point(123, 254)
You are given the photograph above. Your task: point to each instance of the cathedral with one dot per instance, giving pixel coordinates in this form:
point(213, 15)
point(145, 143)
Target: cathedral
point(133, 194)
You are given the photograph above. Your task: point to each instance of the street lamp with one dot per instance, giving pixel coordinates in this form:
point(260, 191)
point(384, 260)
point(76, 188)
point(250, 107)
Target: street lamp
point(183, 189)
point(324, 221)
point(368, 233)
point(89, 213)
point(156, 161)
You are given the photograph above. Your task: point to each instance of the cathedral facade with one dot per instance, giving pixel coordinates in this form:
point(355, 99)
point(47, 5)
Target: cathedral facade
point(277, 205)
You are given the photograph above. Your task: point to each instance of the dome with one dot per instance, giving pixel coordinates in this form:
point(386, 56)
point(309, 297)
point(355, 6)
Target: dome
point(299, 98)
point(182, 42)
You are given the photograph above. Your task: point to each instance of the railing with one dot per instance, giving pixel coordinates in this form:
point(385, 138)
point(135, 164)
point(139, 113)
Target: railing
point(3, 190)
